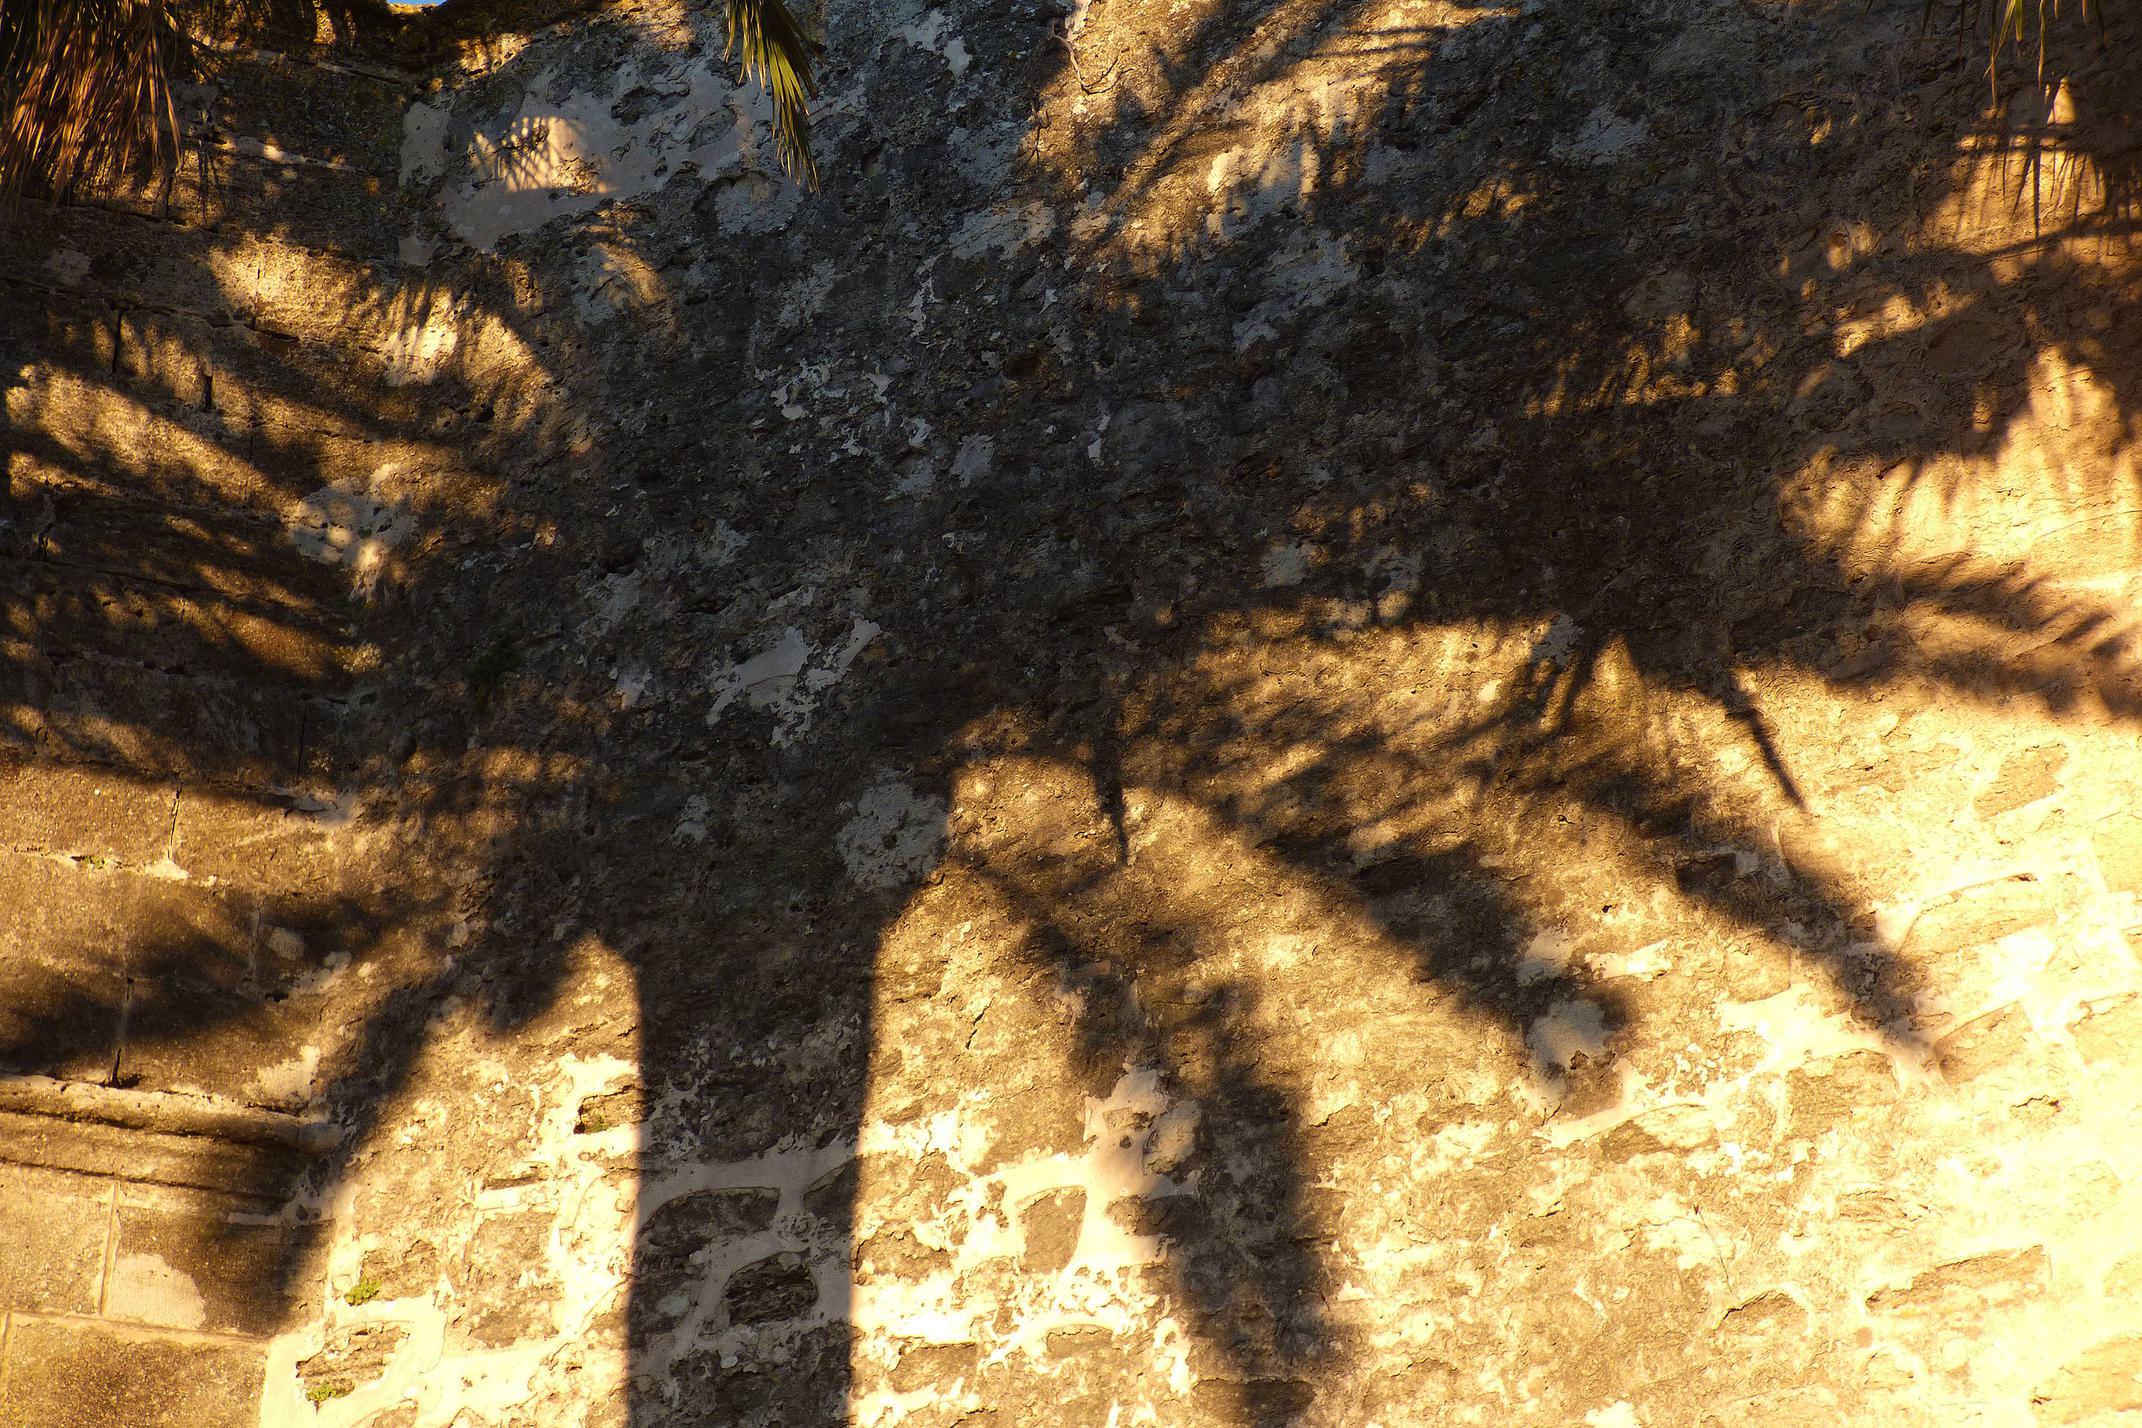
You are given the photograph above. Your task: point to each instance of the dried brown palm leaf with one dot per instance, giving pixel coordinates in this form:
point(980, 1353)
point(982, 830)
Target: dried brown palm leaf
point(86, 91)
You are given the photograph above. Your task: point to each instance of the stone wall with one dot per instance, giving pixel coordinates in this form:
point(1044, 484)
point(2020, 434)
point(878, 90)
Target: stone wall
point(1302, 713)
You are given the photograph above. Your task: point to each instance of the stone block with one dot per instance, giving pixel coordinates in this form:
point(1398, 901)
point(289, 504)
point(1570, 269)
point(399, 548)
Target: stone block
point(214, 595)
point(73, 1374)
point(236, 1042)
point(407, 1269)
point(352, 1357)
point(63, 913)
point(58, 330)
point(1983, 1044)
point(1827, 1094)
point(255, 842)
point(96, 433)
point(2101, 1384)
point(188, 931)
point(508, 1288)
point(766, 1291)
point(187, 1260)
point(83, 813)
point(309, 204)
point(321, 298)
point(52, 1233)
point(2118, 845)
point(58, 1018)
point(354, 122)
point(2110, 1030)
point(1986, 913)
point(264, 1170)
point(2024, 777)
point(109, 255)
point(165, 357)
point(933, 1366)
point(1964, 1289)
point(1051, 1226)
point(168, 724)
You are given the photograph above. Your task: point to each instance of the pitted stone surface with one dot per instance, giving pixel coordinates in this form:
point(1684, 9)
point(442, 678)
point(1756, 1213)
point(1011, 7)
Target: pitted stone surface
point(1301, 715)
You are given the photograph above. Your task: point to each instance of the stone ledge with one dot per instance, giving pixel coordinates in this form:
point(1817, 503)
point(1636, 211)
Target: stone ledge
point(155, 1137)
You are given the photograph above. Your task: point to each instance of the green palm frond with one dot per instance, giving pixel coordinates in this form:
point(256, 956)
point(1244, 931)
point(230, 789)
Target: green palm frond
point(775, 51)
point(85, 91)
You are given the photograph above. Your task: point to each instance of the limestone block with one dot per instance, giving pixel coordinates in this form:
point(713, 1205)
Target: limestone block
point(75, 1374)
point(52, 1234)
point(258, 1163)
point(2101, 1384)
point(183, 1259)
point(60, 1017)
point(93, 814)
point(259, 843)
point(508, 1289)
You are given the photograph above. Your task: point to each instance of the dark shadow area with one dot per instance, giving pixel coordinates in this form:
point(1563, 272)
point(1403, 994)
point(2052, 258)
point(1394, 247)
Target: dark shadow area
point(1532, 401)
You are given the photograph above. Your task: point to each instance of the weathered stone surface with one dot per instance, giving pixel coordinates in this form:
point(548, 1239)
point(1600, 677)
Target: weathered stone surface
point(508, 1286)
point(152, 1138)
point(775, 1288)
point(352, 1358)
point(1296, 715)
point(2100, 1384)
point(2110, 1031)
point(70, 1374)
point(187, 1260)
point(53, 1233)
point(1966, 1287)
point(88, 814)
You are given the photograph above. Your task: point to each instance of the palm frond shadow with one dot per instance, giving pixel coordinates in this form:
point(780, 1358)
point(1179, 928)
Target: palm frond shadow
point(1548, 411)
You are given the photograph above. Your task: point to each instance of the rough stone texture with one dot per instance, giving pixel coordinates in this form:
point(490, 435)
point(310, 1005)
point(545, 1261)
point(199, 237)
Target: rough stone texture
point(64, 1374)
point(1302, 714)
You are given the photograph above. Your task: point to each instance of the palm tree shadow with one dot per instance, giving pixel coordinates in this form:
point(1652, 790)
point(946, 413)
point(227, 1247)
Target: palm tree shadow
point(1638, 503)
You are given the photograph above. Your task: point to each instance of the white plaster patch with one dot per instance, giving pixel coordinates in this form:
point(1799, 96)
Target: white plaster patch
point(1604, 137)
point(564, 152)
point(788, 678)
point(895, 835)
point(1557, 643)
point(720, 545)
point(632, 683)
point(1285, 565)
point(806, 297)
point(692, 821)
point(976, 455)
point(1547, 955)
point(423, 143)
point(615, 599)
point(1002, 230)
point(1568, 1029)
point(932, 33)
point(1800, 1030)
point(146, 1287)
point(355, 523)
point(287, 1082)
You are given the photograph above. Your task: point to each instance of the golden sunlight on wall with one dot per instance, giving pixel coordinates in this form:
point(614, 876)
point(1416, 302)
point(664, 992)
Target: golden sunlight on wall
point(1816, 1043)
